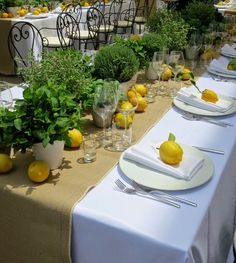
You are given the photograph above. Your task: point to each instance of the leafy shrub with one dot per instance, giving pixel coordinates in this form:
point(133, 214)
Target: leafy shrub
point(199, 15)
point(136, 44)
point(169, 24)
point(68, 67)
point(116, 62)
point(153, 42)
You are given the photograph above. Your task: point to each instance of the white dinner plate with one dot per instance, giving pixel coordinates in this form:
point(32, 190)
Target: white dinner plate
point(219, 73)
point(31, 16)
point(188, 108)
point(222, 6)
point(153, 179)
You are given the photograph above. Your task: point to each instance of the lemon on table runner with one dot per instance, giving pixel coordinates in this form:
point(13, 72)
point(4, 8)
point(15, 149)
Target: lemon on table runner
point(5, 163)
point(141, 89)
point(38, 171)
point(76, 138)
point(119, 120)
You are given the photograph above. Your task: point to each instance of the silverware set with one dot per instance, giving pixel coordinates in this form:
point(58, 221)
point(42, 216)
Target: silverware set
point(194, 117)
point(157, 195)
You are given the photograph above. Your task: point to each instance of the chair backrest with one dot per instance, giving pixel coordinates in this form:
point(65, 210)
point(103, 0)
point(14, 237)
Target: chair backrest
point(114, 12)
point(76, 12)
point(24, 40)
point(67, 30)
point(144, 7)
point(95, 21)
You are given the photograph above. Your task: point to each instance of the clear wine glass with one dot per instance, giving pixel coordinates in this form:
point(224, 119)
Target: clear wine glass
point(6, 99)
point(157, 66)
point(177, 62)
point(105, 103)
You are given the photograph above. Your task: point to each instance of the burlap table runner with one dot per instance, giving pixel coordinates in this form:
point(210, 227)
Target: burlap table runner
point(35, 219)
point(6, 62)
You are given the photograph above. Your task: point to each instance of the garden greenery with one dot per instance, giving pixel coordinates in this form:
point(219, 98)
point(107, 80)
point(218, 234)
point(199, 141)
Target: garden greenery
point(169, 24)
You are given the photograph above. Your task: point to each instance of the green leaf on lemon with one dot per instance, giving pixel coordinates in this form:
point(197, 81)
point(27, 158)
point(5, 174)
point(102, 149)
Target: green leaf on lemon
point(171, 137)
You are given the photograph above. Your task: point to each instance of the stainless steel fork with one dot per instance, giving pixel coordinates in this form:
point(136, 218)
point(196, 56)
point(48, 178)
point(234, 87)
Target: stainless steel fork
point(173, 197)
point(128, 190)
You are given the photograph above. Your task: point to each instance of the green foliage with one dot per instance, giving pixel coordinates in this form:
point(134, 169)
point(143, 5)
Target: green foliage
point(153, 42)
point(69, 67)
point(199, 15)
point(44, 115)
point(169, 24)
point(12, 3)
point(116, 62)
point(2, 5)
point(136, 44)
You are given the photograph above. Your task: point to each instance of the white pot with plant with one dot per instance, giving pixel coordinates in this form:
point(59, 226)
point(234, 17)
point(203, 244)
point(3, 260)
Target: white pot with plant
point(42, 121)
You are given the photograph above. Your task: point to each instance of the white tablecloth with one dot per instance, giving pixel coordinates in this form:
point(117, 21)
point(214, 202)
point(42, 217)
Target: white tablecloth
point(110, 226)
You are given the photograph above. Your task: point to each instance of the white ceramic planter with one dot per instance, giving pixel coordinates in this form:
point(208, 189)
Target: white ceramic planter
point(13, 10)
point(52, 153)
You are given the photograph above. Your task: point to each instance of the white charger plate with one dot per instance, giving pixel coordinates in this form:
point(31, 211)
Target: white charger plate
point(191, 109)
point(218, 73)
point(153, 179)
point(40, 16)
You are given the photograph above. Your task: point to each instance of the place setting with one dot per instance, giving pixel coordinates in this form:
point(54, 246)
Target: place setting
point(166, 165)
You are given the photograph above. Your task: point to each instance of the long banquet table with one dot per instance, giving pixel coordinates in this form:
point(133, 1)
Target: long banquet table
point(111, 226)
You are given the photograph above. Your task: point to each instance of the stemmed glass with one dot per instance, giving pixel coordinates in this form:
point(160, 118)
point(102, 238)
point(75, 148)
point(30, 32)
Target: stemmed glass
point(105, 103)
point(122, 128)
point(157, 65)
point(177, 62)
point(6, 99)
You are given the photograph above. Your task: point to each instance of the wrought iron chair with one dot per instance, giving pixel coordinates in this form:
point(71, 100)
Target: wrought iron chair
point(25, 40)
point(126, 18)
point(98, 26)
point(143, 11)
point(70, 34)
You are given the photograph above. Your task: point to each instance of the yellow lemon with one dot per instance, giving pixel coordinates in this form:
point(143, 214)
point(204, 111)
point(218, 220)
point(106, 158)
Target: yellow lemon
point(5, 163)
point(127, 106)
point(4, 15)
point(210, 96)
point(21, 12)
point(76, 138)
point(119, 120)
point(167, 73)
point(10, 15)
point(86, 4)
point(185, 74)
point(36, 12)
point(171, 152)
point(141, 89)
point(142, 104)
point(38, 171)
point(131, 94)
point(44, 9)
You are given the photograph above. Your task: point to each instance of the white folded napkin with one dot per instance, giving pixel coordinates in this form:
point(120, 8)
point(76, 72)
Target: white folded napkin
point(194, 99)
point(146, 155)
point(227, 49)
point(217, 66)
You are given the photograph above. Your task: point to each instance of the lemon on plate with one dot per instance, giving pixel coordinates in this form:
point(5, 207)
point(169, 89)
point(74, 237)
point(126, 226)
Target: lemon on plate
point(5, 163)
point(38, 171)
point(170, 151)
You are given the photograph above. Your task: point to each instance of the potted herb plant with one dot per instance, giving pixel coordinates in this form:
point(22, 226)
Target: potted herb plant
point(13, 6)
point(70, 67)
point(42, 120)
